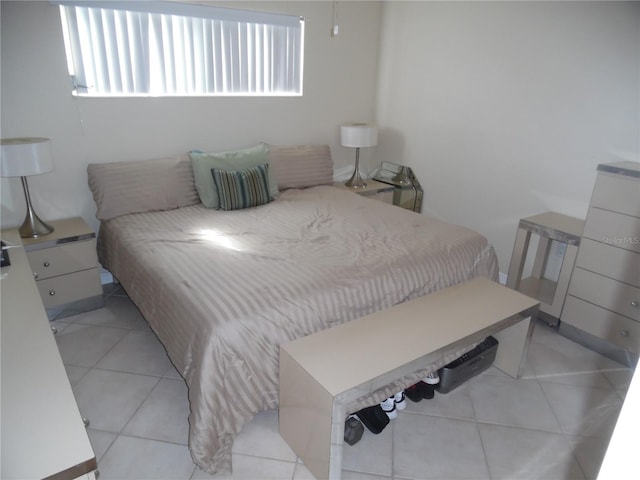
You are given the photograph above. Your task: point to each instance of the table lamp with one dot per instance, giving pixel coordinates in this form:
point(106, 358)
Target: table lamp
point(358, 135)
point(21, 157)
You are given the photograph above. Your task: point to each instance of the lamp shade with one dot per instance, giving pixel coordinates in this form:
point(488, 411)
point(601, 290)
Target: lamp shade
point(21, 157)
point(358, 135)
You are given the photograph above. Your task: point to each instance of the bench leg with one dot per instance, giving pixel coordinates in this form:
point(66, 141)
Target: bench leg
point(309, 420)
point(518, 258)
point(512, 350)
point(337, 441)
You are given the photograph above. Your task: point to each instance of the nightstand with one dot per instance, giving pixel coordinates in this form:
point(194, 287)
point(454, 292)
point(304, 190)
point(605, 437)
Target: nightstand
point(374, 189)
point(65, 266)
point(407, 191)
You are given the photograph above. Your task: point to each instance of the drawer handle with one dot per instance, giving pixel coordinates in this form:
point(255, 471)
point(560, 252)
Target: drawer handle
point(35, 275)
point(54, 330)
point(624, 333)
point(46, 264)
point(635, 303)
point(52, 292)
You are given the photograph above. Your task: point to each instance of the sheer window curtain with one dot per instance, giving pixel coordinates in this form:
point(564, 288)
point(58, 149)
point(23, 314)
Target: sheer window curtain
point(195, 51)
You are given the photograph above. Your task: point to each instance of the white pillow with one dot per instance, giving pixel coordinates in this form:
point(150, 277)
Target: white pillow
point(300, 166)
point(120, 188)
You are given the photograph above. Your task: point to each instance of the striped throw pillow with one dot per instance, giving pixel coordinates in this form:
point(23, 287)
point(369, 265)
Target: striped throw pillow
point(242, 189)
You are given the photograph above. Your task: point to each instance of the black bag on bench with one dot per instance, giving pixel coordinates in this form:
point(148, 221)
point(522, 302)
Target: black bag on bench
point(468, 365)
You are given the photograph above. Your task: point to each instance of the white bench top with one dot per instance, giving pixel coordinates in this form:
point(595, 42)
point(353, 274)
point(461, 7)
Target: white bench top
point(378, 343)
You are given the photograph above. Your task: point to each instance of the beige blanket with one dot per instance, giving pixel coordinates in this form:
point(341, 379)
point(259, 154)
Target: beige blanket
point(222, 290)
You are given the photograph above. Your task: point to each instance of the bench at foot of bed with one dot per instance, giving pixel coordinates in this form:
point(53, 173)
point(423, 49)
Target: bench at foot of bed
point(325, 374)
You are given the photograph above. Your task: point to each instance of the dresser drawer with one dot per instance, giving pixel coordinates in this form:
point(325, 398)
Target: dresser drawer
point(622, 231)
point(64, 289)
point(609, 261)
point(62, 259)
point(606, 292)
point(602, 323)
point(617, 193)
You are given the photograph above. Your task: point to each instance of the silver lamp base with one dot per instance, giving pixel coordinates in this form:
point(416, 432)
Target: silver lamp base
point(356, 181)
point(32, 227)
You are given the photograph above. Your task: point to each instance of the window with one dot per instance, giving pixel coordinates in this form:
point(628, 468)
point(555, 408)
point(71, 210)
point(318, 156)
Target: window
point(177, 49)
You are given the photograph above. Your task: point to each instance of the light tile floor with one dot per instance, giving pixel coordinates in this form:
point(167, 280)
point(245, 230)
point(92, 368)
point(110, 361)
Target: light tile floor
point(554, 423)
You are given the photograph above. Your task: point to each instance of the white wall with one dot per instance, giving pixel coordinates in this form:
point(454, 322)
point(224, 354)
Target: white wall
point(504, 109)
point(339, 86)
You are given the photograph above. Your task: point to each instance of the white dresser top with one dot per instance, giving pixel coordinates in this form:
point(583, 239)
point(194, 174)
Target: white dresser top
point(42, 430)
point(628, 168)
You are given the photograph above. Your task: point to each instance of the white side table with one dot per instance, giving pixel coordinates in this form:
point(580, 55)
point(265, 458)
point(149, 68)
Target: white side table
point(65, 266)
point(548, 226)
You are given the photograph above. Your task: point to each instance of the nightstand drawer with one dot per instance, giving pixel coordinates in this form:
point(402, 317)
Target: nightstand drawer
point(602, 323)
point(610, 261)
point(607, 293)
point(69, 288)
point(617, 193)
point(385, 196)
point(622, 231)
point(62, 259)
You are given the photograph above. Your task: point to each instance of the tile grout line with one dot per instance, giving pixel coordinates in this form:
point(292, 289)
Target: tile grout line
point(484, 450)
point(482, 445)
point(564, 434)
point(95, 368)
point(118, 434)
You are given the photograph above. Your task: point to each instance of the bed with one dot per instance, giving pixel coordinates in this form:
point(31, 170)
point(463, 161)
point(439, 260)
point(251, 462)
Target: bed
point(223, 289)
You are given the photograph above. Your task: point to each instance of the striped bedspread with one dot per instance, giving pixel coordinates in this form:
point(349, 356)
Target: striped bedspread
point(222, 290)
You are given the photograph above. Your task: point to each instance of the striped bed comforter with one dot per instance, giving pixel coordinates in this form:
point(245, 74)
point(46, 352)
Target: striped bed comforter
point(222, 290)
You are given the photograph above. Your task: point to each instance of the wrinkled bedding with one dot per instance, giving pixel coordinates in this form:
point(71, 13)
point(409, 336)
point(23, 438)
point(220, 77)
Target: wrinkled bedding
point(222, 290)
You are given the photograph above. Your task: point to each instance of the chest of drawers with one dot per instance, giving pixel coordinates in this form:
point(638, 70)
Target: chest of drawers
point(65, 266)
point(602, 309)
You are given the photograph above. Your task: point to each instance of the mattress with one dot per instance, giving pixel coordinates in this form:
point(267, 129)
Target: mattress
point(222, 290)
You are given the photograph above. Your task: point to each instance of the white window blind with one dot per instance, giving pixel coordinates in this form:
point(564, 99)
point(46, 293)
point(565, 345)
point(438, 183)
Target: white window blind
point(167, 49)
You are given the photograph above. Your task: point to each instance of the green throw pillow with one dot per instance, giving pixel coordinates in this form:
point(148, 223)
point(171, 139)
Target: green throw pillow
point(242, 189)
point(236, 160)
